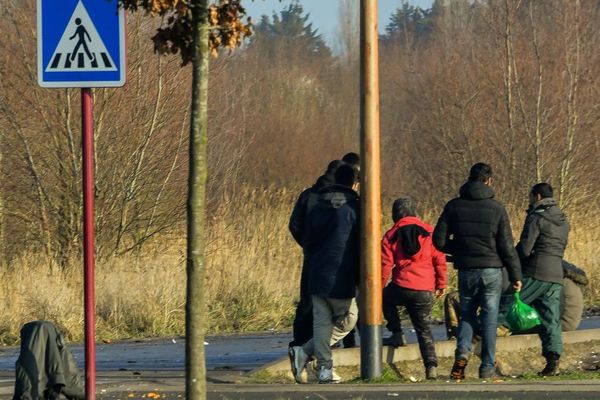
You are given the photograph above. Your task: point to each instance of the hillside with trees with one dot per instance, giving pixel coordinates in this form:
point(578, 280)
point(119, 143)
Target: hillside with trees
point(510, 82)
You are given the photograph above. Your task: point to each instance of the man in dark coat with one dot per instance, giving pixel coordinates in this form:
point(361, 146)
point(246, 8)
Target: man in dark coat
point(474, 228)
point(331, 251)
point(302, 327)
point(541, 249)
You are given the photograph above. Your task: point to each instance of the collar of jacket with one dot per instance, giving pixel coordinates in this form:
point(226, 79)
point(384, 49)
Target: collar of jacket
point(410, 220)
point(543, 204)
point(335, 188)
point(323, 181)
point(476, 191)
point(548, 209)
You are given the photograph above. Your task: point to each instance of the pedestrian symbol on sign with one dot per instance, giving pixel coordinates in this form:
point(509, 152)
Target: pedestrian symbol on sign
point(81, 32)
point(80, 47)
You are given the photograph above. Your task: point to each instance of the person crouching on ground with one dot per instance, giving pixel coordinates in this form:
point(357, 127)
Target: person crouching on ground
point(331, 250)
point(417, 269)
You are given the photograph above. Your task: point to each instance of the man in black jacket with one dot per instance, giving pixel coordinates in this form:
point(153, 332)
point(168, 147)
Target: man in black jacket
point(474, 228)
point(541, 249)
point(302, 327)
point(331, 251)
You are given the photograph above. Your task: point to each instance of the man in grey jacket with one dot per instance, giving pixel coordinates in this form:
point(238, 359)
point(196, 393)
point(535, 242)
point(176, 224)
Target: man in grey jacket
point(541, 249)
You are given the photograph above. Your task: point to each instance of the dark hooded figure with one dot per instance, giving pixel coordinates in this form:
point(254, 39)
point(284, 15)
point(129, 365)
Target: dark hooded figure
point(45, 368)
point(331, 254)
point(302, 327)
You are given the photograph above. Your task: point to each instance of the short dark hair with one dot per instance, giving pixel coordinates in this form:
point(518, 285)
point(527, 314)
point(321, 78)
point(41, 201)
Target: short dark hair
point(352, 159)
point(543, 189)
point(346, 175)
point(480, 172)
point(333, 166)
point(403, 207)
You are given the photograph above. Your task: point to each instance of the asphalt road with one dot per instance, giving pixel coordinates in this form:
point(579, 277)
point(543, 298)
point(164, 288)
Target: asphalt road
point(231, 352)
point(223, 353)
point(133, 369)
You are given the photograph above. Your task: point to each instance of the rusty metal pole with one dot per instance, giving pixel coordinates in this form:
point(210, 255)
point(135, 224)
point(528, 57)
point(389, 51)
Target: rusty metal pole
point(370, 287)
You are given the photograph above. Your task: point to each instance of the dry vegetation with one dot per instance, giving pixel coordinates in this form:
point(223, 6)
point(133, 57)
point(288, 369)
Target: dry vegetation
point(513, 83)
point(251, 280)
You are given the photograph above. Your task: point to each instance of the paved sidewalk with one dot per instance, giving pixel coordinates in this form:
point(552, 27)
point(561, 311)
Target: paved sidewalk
point(170, 385)
point(576, 390)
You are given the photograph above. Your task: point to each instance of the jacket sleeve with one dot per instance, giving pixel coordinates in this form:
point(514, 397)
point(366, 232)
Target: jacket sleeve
point(387, 260)
point(441, 233)
point(506, 248)
point(529, 235)
point(441, 268)
point(296, 224)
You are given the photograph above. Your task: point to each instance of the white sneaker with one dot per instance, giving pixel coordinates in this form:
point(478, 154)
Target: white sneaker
point(335, 378)
point(298, 360)
point(326, 375)
point(313, 373)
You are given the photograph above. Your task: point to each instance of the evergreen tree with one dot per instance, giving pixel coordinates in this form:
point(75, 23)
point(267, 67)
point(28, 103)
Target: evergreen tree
point(409, 24)
point(292, 29)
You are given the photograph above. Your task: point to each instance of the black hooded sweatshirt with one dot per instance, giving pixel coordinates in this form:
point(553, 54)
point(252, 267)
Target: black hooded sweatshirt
point(306, 201)
point(474, 228)
point(543, 241)
point(331, 247)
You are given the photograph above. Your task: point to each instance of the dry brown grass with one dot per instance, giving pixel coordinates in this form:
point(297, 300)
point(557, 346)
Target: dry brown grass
point(252, 278)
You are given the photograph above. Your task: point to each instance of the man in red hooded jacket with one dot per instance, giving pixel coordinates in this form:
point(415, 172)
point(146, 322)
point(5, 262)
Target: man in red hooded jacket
point(417, 270)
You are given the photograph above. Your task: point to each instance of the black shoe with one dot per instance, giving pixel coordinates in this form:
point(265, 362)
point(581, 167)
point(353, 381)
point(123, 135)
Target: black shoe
point(458, 369)
point(431, 373)
point(349, 341)
point(489, 373)
point(451, 333)
point(551, 368)
point(396, 340)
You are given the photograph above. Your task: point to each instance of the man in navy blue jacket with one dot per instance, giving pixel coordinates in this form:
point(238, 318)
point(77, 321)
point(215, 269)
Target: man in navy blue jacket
point(331, 251)
point(303, 321)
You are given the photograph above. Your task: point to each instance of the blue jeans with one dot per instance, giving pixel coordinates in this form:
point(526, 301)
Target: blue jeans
point(479, 289)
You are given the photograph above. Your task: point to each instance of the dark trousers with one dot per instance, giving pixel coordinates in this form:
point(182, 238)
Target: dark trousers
point(418, 304)
point(303, 321)
point(545, 298)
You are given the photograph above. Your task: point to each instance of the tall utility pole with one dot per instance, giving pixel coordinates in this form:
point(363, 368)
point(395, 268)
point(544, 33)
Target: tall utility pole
point(370, 188)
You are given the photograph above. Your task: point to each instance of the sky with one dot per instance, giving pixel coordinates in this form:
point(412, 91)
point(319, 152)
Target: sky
point(324, 13)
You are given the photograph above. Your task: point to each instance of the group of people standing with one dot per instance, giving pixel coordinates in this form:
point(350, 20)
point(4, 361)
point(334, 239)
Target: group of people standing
point(474, 229)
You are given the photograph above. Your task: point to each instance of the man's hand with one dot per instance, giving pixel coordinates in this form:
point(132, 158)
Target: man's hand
point(439, 293)
point(517, 286)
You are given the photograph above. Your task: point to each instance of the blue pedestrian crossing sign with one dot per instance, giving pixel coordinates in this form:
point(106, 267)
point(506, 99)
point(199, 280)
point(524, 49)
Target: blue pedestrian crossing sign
point(81, 43)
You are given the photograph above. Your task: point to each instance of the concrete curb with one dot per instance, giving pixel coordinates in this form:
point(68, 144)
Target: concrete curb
point(445, 348)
